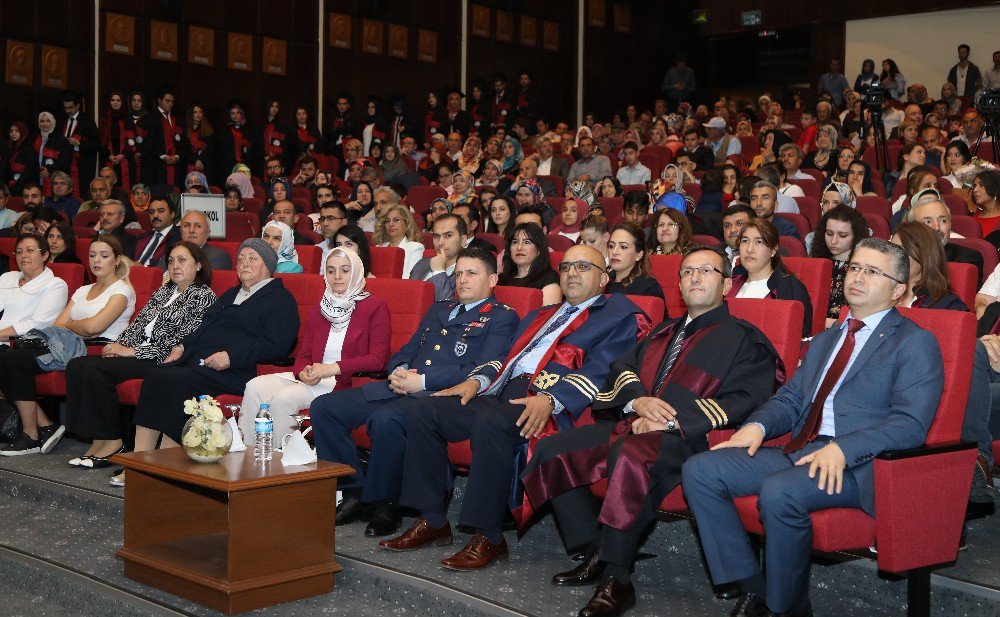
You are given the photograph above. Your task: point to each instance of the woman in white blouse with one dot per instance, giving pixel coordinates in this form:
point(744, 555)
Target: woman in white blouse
point(101, 310)
point(396, 227)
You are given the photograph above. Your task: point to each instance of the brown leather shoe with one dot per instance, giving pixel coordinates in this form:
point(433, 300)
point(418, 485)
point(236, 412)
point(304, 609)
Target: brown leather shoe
point(611, 599)
point(419, 534)
point(477, 554)
point(590, 570)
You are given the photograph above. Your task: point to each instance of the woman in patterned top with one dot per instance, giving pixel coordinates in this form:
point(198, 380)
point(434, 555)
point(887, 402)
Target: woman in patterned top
point(842, 228)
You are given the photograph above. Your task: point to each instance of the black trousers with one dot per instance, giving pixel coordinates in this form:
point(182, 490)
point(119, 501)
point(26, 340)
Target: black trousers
point(489, 422)
point(92, 406)
point(17, 373)
point(164, 390)
point(578, 510)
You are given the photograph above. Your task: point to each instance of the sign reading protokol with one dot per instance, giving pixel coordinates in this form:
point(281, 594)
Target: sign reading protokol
point(214, 207)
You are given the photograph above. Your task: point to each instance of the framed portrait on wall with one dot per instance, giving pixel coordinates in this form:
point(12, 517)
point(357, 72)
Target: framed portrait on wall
point(623, 18)
point(399, 39)
point(480, 21)
point(505, 26)
point(427, 43)
point(550, 36)
point(20, 63)
point(240, 52)
point(340, 31)
point(275, 54)
point(529, 31)
point(163, 41)
point(371, 36)
point(119, 34)
point(201, 46)
point(54, 63)
point(597, 13)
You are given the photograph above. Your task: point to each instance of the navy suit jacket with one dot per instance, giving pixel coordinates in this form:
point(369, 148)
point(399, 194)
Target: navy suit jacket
point(886, 401)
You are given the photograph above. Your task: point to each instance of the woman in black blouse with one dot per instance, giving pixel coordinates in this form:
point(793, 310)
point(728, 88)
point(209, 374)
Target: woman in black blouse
point(928, 286)
point(526, 263)
point(840, 230)
point(629, 260)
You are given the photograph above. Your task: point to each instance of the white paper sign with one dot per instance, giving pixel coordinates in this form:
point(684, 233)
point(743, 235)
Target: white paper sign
point(214, 207)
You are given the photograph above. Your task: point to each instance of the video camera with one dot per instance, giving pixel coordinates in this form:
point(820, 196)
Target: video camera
point(875, 98)
point(989, 103)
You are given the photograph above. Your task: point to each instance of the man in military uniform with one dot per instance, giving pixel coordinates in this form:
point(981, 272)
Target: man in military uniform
point(453, 338)
point(542, 384)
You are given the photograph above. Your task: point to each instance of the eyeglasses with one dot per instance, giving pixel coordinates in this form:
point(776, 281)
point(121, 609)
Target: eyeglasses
point(330, 217)
point(26, 251)
point(705, 270)
point(581, 266)
point(279, 179)
point(667, 225)
point(869, 271)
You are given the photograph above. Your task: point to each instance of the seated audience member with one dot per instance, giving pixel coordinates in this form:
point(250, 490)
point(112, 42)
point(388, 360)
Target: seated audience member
point(384, 198)
point(195, 182)
point(845, 155)
point(361, 203)
point(583, 191)
point(702, 157)
point(956, 156)
point(786, 192)
point(506, 402)
point(31, 296)
point(986, 198)
point(668, 413)
point(444, 342)
point(252, 322)
point(397, 228)
point(770, 145)
point(731, 176)
point(7, 216)
point(62, 199)
point(928, 285)
point(919, 180)
point(151, 247)
point(278, 190)
point(761, 273)
point(734, 219)
point(590, 166)
point(763, 200)
point(824, 156)
point(594, 233)
point(835, 194)
point(635, 208)
point(891, 408)
point(285, 212)
point(450, 233)
point(172, 312)
point(352, 238)
point(279, 237)
point(438, 207)
point(671, 232)
point(525, 263)
point(234, 200)
point(791, 159)
point(346, 333)
point(910, 157)
point(632, 171)
point(569, 221)
point(99, 193)
point(112, 222)
point(936, 215)
point(470, 213)
point(859, 178)
point(711, 192)
point(138, 197)
point(195, 229)
point(841, 229)
point(33, 197)
point(332, 216)
point(528, 194)
point(100, 310)
point(62, 244)
point(629, 269)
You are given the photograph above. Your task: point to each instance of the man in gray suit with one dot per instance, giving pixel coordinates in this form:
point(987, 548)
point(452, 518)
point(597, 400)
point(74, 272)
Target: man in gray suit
point(549, 165)
point(194, 228)
point(866, 386)
point(450, 234)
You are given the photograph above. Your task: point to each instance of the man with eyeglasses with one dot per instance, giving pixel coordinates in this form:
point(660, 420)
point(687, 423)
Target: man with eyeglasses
point(702, 371)
point(930, 210)
point(542, 385)
point(62, 199)
point(332, 216)
point(274, 168)
point(867, 385)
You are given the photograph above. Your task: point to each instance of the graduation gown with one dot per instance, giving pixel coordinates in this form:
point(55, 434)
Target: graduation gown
point(235, 146)
point(56, 155)
point(305, 141)
point(83, 165)
point(118, 138)
point(201, 148)
point(163, 138)
point(20, 167)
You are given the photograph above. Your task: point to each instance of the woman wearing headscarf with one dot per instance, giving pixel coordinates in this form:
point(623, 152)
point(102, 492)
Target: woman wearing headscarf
point(353, 149)
point(512, 155)
point(824, 157)
point(583, 190)
point(430, 165)
point(201, 141)
point(866, 76)
point(307, 138)
point(471, 159)
point(52, 151)
point(492, 170)
point(392, 167)
point(117, 134)
point(137, 111)
point(195, 182)
point(20, 163)
point(568, 223)
point(463, 192)
point(242, 182)
point(281, 237)
point(528, 193)
point(348, 332)
point(139, 197)
point(373, 126)
point(835, 194)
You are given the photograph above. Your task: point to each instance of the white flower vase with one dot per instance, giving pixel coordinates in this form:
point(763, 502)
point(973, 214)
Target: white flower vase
point(205, 440)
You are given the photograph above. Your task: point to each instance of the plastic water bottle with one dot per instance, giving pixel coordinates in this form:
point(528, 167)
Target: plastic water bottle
point(263, 425)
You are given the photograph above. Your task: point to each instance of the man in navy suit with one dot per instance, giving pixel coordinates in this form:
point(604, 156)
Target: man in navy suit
point(151, 247)
point(868, 385)
point(453, 338)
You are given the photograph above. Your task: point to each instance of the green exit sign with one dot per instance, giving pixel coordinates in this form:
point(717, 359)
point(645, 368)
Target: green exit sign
point(699, 16)
point(751, 19)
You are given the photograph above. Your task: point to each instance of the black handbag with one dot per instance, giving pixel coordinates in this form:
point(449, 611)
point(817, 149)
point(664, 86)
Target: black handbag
point(10, 422)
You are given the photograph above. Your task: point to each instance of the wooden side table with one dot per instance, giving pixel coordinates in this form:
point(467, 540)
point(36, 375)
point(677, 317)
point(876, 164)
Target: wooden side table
point(233, 535)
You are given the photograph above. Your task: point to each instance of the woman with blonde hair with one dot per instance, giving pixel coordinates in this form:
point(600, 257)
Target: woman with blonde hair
point(396, 227)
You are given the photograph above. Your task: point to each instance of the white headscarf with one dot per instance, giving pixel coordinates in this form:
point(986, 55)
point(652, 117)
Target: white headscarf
point(337, 308)
point(286, 251)
point(52, 119)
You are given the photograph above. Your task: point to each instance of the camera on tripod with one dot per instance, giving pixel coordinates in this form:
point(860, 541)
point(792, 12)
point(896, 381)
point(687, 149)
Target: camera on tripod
point(989, 103)
point(875, 98)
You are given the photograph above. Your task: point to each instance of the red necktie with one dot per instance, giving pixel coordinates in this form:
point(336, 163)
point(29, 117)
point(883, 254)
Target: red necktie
point(811, 428)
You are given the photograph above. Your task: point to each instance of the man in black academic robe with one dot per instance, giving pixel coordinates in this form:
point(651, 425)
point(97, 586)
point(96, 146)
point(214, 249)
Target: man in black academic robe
point(702, 371)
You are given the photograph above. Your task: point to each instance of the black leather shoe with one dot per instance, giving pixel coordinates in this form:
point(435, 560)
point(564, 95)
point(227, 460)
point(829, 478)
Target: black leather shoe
point(611, 599)
point(589, 571)
point(385, 520)
point(750, 605)
point(727, 592)
point(806, 612)
point(352, 509)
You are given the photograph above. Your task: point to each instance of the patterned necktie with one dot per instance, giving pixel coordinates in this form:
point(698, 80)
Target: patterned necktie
point(813, 421)
point(148, 253)
point(668, 363)
point(552, 327)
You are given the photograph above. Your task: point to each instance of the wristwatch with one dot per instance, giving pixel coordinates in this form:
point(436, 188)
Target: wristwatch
point(552, 399)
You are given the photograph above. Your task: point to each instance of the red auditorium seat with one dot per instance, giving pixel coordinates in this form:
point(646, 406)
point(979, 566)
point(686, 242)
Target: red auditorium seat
point(956, 205)
point(559, 243)
point(555, 258)
point(223, 280)
point(811, 187)
point(387, 262)
point(71, 273)
point(145, 281)
point(801, 223)
point(749, 146)
point(964, 279)
point(987, 250)
point(966, 226)
point(816, 275)
point(809, 208)
point(666, 270)
point(693, 189)
point(15, 203)
point(932, 480)
point(652, 161)
point(654, 308)
point(303, 206)
point(252, 205)
point(612, 208)
point(793, 247)
point(703, 240)
point(143, 219)
point(873, 204)
point(301, 192)
point(233, 248)
point(665, 153)
point(495, 239)
point(87, 218)
point(878, 225)
point(522, 299)
point(241, 225)
point(428, 239)
point(309, 258)
point(420, 197)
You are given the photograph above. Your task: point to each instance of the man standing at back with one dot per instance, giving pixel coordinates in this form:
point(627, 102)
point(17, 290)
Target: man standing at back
point(867, 385)
point(965, 75)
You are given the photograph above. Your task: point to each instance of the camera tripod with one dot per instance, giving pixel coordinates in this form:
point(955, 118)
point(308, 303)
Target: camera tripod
point(991, 129)
point(877, 128)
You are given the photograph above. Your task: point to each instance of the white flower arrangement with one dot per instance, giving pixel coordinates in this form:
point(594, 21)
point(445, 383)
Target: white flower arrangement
point(967, 173)
point(206, 436)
